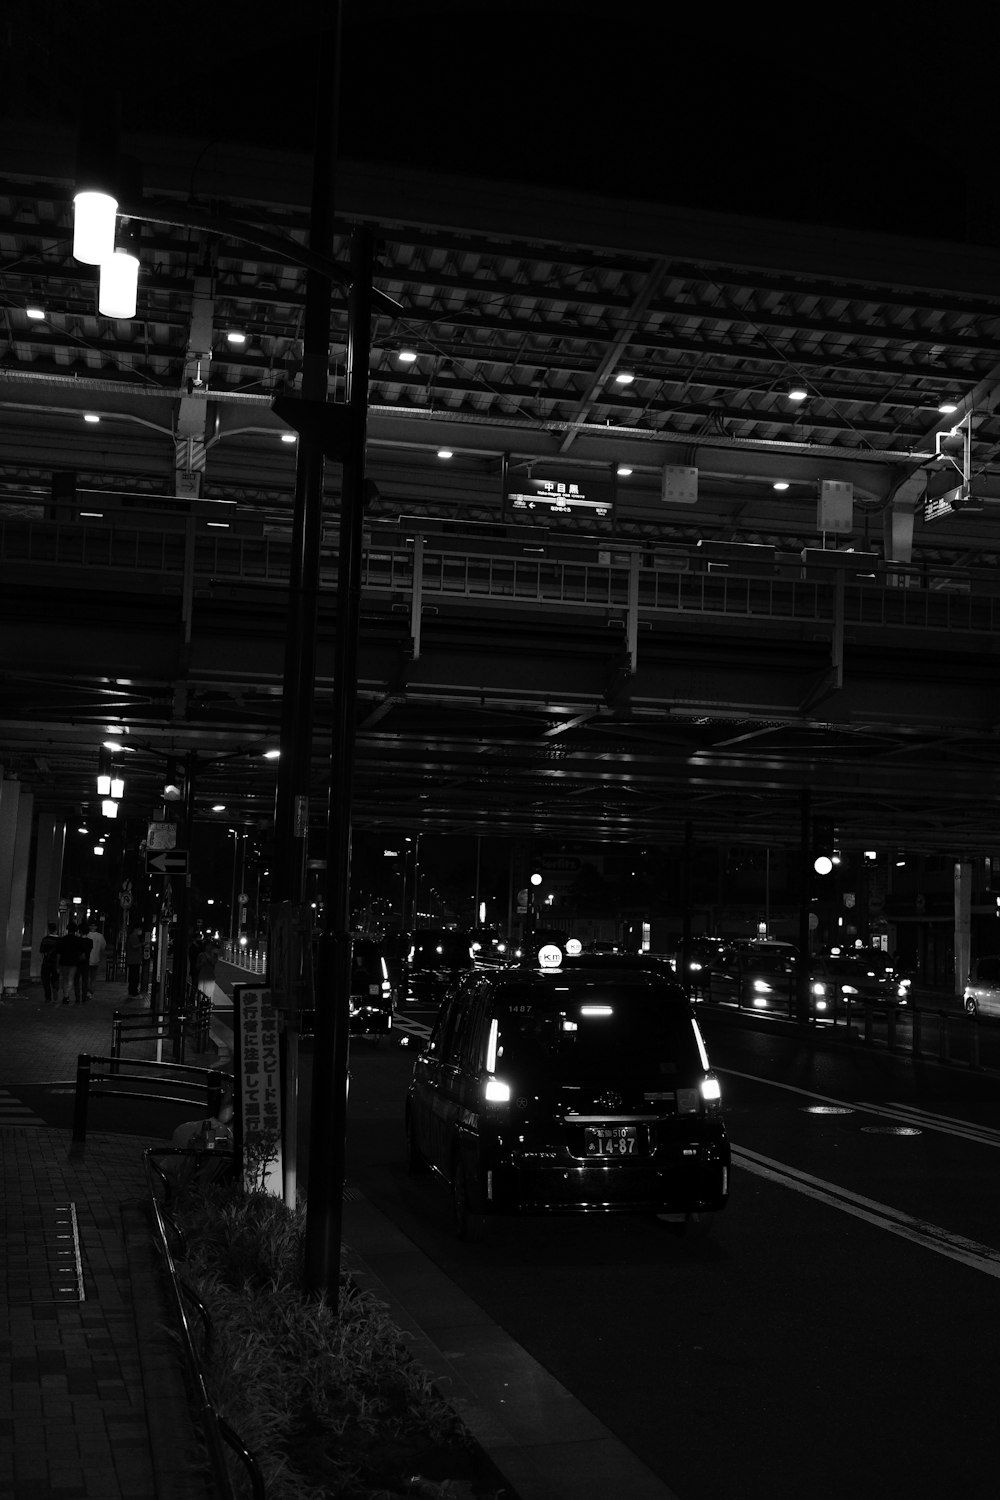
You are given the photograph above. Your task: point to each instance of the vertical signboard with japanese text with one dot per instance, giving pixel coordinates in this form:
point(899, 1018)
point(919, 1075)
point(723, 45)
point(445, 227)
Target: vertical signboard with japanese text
point(260, 1077)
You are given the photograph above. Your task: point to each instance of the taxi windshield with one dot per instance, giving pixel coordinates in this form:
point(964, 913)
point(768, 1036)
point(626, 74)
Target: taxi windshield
point(588, 1033)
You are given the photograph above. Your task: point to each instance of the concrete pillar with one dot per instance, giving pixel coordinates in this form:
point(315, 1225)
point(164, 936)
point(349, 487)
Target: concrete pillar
point(963, 922)
point(14, 928)
point(50, 842)
point(10, 795)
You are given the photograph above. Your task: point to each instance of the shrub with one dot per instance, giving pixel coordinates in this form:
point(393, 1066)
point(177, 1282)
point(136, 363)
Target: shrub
point(331, 1403)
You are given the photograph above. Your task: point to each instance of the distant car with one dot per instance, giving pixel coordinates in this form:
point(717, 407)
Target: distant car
point(489, 946)
point(569, 1091)
point(982, 992)
point(702, 953)
point(435, 958)
point(846, 979)
point(372, 996)
point(759, 976)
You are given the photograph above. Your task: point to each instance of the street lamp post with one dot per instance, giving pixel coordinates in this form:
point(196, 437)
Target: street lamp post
point(338, 431)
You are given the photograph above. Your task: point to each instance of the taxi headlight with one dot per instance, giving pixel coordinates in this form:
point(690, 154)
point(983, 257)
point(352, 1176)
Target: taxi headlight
point(497, 1092)
point(711, 1090)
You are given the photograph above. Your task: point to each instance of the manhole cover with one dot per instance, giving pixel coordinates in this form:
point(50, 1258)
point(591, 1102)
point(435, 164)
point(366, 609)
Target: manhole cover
point(891, 1130)
point(827, 1109)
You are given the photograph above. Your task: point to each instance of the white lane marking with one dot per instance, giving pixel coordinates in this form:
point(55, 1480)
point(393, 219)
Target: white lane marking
point(983, 1135)
point(966, 1130)
point(969, 1253)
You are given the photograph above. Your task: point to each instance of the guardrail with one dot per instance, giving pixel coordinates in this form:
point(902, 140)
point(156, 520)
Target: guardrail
point(192, 1025)
point(948, 1036)
point(216, 1431)
point(101, 1076)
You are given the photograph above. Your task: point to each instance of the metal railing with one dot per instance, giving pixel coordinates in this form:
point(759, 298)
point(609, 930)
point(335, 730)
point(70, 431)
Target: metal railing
point(627, 577)
point(217, 1433)
point(102, 1077)
point(191, 1025)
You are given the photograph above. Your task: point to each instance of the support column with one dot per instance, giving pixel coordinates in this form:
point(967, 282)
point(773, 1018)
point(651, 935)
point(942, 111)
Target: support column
point(50, 841)
point(10, 797)
point(963, 922)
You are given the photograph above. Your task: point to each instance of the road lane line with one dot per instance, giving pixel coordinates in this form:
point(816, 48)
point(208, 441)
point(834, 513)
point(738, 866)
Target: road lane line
point(983, 1135)
point(956, 1247)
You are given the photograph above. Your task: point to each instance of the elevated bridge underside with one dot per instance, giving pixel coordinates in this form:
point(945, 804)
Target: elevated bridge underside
point(775, 597)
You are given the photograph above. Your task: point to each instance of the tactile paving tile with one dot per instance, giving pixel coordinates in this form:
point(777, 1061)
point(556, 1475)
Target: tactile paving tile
point(52, 1274)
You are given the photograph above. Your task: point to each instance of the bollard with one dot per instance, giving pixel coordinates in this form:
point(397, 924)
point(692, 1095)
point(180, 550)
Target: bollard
point(82, 1098)
point(116, 1040)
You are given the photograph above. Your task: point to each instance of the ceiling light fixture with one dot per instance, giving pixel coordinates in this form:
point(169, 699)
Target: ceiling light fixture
point(407, 356)
point(118, 289)
point(798, 390)
point(624, 377)
point(623, 471)
point(94, 227)
point(947, 406)
point(36, 314)
point(288, 437)
point(91, 416)
point(272, 754)
point(445, 453)
point(780, 484)
point(236, 336)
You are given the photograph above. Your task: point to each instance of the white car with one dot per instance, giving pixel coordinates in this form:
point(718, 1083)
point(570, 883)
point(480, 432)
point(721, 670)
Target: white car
point(982, 991)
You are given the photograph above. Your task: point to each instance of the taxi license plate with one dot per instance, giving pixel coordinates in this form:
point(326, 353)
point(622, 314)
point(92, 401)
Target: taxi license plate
point(611, 1140)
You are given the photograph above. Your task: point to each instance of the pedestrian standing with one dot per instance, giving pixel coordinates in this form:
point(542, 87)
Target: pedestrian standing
point(98, 945)
point(49, 950)
point(134, 946)
point(70, 958)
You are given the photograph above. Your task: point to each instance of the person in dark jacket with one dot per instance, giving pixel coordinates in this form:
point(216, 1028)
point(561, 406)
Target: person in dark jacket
point(74, 965)
point(49, 950)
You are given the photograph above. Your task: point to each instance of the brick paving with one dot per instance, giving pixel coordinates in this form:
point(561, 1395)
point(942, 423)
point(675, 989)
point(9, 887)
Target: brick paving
point(94, 1405)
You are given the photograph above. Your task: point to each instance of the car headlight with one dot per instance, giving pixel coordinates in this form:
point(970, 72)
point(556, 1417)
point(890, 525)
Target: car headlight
point(818, 988)
point(761, 987)
point(848, 989)
point(711, 1090)
point(496, 1091)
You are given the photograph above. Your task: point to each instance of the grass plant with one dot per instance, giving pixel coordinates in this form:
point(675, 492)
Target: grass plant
point(332, 1404)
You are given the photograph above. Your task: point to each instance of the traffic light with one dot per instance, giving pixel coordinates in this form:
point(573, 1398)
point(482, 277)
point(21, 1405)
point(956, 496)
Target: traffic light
point(823, 836)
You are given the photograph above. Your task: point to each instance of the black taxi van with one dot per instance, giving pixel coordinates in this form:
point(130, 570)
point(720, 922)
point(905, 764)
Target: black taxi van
point(569, 1091)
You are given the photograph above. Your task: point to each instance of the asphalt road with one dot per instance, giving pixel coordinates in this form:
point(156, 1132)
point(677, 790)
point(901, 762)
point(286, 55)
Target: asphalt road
point(833, 1336)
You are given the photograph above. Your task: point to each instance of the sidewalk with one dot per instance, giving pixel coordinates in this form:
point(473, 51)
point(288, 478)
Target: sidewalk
point(96, 1407)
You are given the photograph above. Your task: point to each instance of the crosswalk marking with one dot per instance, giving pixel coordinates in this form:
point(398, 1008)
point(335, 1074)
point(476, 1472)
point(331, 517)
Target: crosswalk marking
point(14, 1112)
